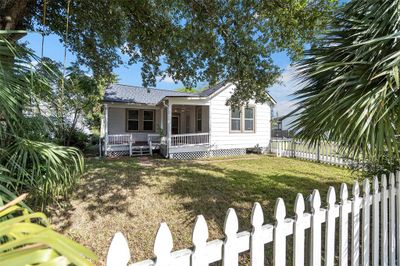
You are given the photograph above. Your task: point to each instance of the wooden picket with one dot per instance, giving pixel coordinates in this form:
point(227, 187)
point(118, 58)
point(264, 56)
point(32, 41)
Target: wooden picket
point(372, 217)
point(325, 152)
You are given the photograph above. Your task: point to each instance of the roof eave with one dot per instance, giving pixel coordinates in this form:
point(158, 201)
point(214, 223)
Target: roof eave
point(194, 97)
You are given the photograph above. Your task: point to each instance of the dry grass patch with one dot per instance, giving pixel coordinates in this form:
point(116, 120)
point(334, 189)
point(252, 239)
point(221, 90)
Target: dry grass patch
point(133, 196)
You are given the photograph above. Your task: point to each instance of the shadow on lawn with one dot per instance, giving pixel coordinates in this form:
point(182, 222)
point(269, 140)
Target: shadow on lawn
point(109, 186)
point(210, 190)
point(103, 189)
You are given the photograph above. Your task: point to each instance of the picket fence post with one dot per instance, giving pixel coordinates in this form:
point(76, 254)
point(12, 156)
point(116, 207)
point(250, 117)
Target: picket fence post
point(384, 221)
point(199, 239)
point(231, 227)
point(398, 214)
point(330, 228)
point(279, 233)
point(118, 252)
point(299, 231)
point(256, 240)
point(343, 226)
point(366, 223)
point(355, 225)
point(163, 246)
point(392, 221)
point(316, 220)
point(375, 222)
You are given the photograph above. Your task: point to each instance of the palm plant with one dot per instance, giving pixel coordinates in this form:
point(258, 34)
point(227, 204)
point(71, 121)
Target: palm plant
point(27, 239)
point(351, 82)
point(28, 159)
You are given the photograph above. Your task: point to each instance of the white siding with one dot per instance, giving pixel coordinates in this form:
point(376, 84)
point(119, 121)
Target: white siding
point(222, 138)
point(117, 122)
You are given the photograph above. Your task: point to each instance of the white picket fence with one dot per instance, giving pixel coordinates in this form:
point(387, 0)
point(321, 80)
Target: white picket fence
point(367, 233)
point(325, 152)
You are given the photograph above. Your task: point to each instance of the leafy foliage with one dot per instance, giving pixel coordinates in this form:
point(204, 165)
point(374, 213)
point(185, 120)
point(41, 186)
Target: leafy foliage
point(351, 92)
point(197, 40)
point(74, 101)
point(26, 238)
point(28, 159)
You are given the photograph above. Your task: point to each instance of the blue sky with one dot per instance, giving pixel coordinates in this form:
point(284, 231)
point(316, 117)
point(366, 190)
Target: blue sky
point(130, 74)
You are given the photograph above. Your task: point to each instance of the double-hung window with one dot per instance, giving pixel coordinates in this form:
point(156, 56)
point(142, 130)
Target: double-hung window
point(236, 120)
point(140, 120)
point(249, 119)
point(132, 123)
point(148, 120)
point(242, 119)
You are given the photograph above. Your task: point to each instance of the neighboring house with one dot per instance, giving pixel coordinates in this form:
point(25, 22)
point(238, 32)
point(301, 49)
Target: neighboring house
point(182, 125)
point(277, 128)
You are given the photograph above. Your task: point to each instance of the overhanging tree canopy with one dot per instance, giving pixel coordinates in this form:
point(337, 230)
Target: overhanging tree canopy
point(198, 40)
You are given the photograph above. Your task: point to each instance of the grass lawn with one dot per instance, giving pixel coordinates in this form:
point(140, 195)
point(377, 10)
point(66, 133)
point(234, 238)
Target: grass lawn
point(134, 195)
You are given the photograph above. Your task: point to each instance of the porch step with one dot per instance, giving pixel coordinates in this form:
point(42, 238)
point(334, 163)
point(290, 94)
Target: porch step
point(140, 150)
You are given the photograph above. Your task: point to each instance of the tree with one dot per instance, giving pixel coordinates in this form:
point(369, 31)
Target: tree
point(29, 160)
point(351, 82)
point(197, 40)
point(74, 100)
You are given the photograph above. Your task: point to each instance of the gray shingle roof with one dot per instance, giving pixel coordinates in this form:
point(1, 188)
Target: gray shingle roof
point(137, 94)
point(212, 89)
point(151, 96)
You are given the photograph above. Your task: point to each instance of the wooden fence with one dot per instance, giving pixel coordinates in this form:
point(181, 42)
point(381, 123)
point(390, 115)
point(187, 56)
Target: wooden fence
point(362, 230)
point(325, 152)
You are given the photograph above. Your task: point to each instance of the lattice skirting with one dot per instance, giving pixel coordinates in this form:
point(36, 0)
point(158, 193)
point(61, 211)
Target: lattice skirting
point(204, 154)
point(117, 153)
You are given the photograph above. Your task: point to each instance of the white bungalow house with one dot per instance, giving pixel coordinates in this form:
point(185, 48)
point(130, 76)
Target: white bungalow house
point(182, 125)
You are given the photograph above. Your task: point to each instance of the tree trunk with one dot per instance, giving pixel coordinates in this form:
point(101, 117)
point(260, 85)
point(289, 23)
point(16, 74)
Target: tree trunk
point(13, 14)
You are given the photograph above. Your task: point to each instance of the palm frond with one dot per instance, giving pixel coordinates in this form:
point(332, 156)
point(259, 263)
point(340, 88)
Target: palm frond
point(351, 82)
point(26, 238)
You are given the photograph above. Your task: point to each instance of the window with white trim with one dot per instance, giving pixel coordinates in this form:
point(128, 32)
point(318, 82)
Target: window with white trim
point(235, 120)
point(249, 119)
point(132, 123)
point(148, 120)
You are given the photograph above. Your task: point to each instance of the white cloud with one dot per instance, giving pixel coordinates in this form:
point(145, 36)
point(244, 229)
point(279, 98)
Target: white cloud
point(166, 79)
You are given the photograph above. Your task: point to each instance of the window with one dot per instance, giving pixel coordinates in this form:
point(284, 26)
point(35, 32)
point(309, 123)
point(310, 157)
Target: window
point(148, 120)
point(235, 120)
point(199, 119)
point(132, 120)
point(249, 119)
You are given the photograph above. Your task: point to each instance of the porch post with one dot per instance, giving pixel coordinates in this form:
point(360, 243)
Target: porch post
point(169, 124)
point(162, 119)
point(105, 128)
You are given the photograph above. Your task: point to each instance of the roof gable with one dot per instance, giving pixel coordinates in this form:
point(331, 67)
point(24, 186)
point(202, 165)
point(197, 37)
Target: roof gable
point(213, 90)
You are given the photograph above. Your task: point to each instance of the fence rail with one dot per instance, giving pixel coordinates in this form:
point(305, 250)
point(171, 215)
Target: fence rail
point(373, 238)
point(190, 139)
point(326, 152)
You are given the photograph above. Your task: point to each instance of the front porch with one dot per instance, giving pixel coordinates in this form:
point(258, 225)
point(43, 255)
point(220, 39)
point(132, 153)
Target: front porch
point(124, 144)
point(175, 128)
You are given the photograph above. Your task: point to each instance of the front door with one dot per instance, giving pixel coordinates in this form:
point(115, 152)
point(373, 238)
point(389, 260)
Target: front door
point(175, 124)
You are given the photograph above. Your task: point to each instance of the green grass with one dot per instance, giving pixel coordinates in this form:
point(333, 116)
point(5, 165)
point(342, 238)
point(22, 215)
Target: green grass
point(135, 195)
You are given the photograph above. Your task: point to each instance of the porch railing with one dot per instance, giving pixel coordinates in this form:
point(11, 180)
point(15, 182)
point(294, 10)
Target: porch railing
point(190, 139)
point(154, 138)
point(119, 139)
